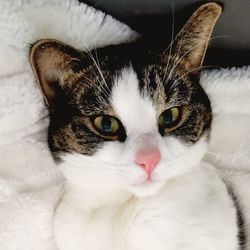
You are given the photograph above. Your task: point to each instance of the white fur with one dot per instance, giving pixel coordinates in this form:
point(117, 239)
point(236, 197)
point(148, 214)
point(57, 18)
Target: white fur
point(229, 150)
point(29, 179)
point(109, 204)
point(25, 21)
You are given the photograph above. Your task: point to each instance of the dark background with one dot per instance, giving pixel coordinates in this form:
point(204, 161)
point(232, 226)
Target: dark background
point(154, 19)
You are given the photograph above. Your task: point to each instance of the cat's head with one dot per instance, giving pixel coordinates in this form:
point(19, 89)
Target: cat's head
point(124, 119)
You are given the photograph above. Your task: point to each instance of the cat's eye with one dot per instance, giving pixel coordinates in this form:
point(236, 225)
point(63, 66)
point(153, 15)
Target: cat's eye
point(170, 118)
point(108, 127)
point(106, 124)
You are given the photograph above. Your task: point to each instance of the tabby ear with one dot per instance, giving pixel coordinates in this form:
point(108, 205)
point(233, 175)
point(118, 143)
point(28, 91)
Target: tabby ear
point(52, 62)
point(188, 49)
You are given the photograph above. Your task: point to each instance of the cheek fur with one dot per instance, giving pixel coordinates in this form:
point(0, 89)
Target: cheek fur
point(112, 167)
point(178, 158)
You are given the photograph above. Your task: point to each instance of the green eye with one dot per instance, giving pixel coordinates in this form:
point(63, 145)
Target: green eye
point(170, 118)
point(106, 124)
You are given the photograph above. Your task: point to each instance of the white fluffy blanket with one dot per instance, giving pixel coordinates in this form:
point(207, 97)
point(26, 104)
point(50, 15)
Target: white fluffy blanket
point(29, 179)
point(229, 91)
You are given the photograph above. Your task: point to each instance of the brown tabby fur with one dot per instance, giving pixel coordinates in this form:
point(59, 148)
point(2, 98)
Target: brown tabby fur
point(77, 84)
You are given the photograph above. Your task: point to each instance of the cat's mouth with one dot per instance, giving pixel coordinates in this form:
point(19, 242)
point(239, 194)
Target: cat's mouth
point(148, 180)
point(146, 186)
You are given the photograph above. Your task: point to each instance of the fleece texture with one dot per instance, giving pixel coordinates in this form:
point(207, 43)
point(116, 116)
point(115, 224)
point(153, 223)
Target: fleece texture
point(30, 182)
point(229, 91)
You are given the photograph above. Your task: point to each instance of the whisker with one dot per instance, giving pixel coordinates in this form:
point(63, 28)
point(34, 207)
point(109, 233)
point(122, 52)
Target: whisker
point(177, 63)
point(203, 67)
point(233, 38)
point(172, 39)
point(104, 87)
point(97, 65)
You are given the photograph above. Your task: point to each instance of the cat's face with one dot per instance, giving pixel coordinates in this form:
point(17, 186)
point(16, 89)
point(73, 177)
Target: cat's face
point(126, 119)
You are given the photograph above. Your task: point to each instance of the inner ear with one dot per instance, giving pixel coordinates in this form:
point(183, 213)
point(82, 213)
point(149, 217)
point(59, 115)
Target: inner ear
point(52, 62)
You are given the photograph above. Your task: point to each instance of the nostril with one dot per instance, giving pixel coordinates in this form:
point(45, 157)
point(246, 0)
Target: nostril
point(141, 165)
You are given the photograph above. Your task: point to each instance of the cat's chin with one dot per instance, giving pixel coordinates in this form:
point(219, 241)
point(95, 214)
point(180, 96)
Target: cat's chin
point(146, 188)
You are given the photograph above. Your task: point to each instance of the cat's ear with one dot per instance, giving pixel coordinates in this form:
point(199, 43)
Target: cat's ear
point(52, 63)
point(188, 49)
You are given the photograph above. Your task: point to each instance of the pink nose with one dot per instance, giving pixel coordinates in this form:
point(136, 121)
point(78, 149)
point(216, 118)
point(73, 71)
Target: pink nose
point(147, 159)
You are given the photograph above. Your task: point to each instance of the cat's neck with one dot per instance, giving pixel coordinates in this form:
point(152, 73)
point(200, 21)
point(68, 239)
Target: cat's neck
point(89, 198)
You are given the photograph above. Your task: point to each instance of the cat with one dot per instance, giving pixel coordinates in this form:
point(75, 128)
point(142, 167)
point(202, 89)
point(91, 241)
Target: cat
point(129, 129)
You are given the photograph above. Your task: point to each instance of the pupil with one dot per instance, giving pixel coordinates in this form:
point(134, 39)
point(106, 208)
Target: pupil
point(168, 117)
point(106, 125)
